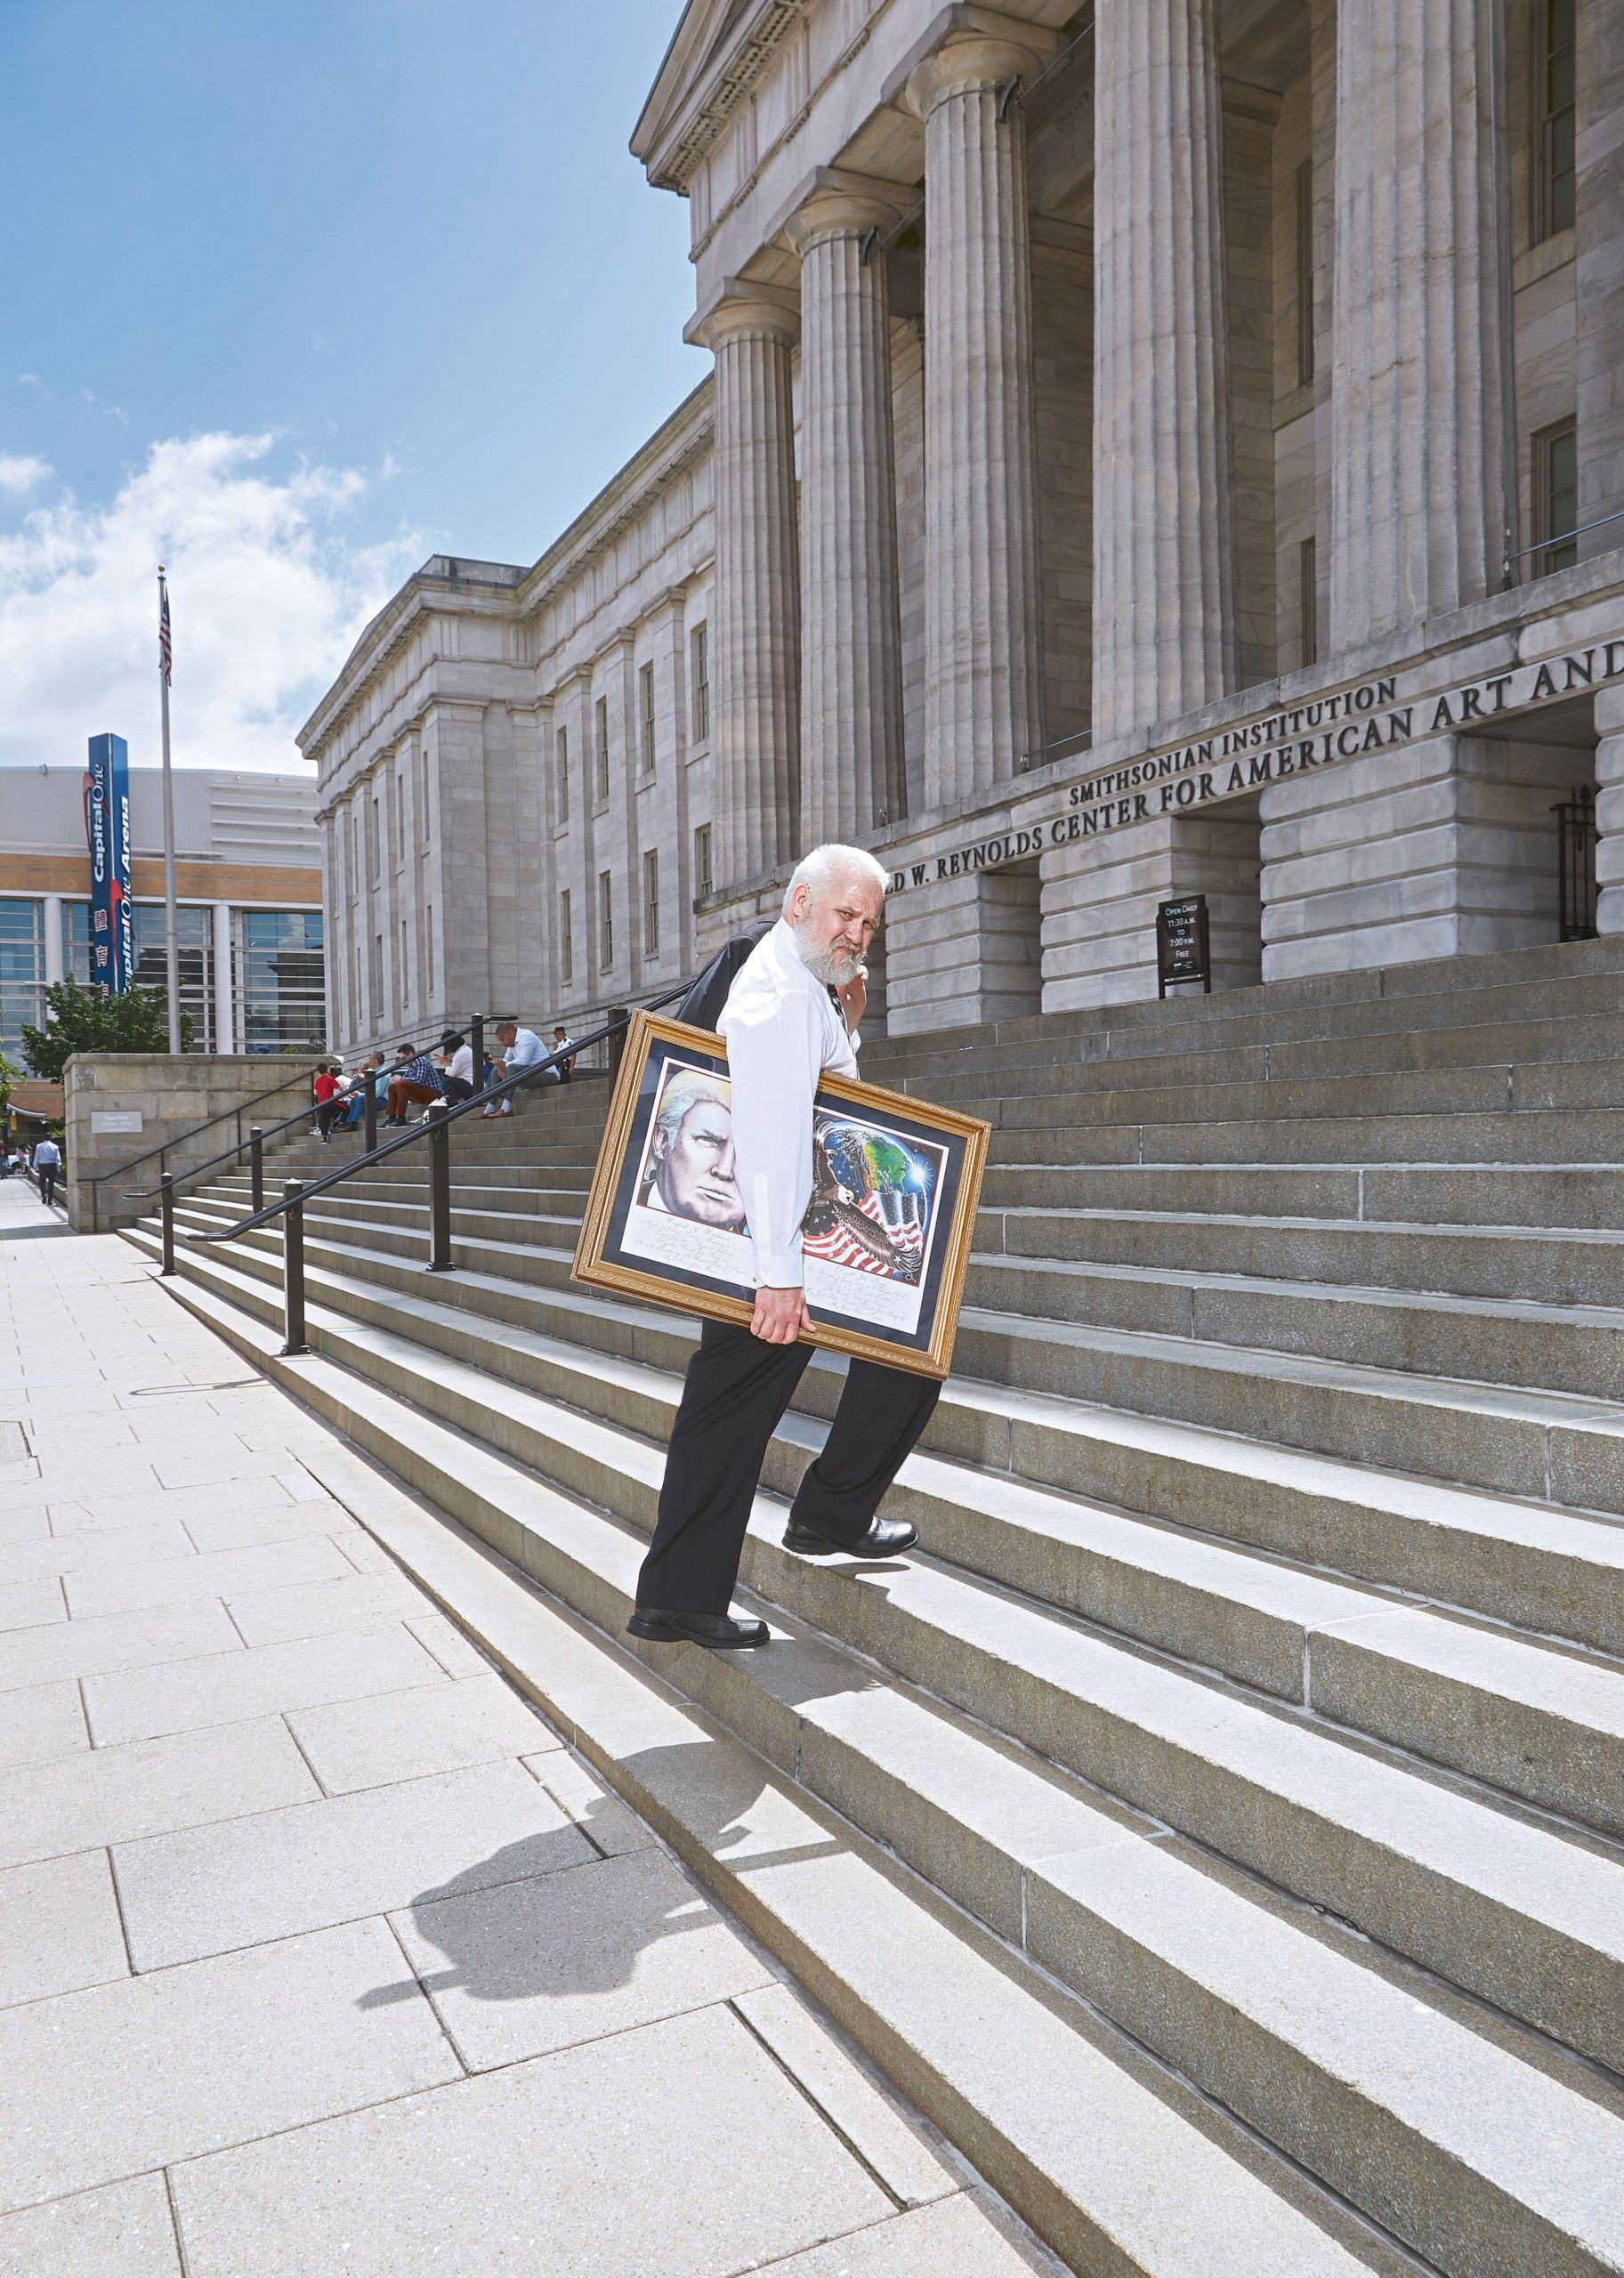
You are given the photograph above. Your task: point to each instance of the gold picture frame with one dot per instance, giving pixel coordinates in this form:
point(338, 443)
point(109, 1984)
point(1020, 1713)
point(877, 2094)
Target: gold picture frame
point(887, 1233)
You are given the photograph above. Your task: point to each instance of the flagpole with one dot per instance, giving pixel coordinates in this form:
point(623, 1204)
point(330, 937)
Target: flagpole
point(172, 952)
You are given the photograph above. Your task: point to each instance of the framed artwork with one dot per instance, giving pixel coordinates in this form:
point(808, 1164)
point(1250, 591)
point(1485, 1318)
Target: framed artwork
point(886, 1237)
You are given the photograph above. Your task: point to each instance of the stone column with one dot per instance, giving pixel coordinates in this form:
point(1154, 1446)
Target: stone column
point(852, 775)
point(53, 938)
point(755, 660)
point(225, 999)
point(1599, 280)
point(982, 704)
point(1610, 810)
point(1420, 382)
point(1164, 630)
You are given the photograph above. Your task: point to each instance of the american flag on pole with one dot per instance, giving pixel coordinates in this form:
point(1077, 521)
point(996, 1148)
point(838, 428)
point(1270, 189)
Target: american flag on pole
point(166, 655)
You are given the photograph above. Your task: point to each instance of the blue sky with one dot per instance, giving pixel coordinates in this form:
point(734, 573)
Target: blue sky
point(299, 294)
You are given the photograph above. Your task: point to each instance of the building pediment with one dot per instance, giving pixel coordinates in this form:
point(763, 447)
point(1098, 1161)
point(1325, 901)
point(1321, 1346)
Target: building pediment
point(719, 50)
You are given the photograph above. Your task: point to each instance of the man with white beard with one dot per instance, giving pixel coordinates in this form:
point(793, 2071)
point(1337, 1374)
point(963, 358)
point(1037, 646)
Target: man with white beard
point(792, 1012)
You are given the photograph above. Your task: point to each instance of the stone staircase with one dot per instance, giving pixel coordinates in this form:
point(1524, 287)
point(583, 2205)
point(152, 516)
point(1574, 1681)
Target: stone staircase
point(1219, 1829)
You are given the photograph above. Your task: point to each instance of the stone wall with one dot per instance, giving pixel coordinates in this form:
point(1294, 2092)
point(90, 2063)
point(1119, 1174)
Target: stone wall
point(173, 1097)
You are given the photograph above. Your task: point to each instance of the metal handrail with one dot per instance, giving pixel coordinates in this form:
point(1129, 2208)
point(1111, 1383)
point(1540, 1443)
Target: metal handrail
point(256, 1131)
point(443, 1118)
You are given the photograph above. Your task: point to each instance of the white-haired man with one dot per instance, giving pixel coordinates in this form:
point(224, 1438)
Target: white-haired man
point(792, 1012)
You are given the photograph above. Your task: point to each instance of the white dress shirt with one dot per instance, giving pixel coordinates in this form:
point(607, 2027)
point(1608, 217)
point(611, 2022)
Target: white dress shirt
point(461, 1063)
point(783, 1029)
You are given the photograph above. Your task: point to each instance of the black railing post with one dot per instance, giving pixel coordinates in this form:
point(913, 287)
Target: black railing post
point(439, 1189)
point(476, 1036)
point(256, 1166)
point(166, 1211)
point(369, 1113)
point(293, 1269)
point(615, 1044)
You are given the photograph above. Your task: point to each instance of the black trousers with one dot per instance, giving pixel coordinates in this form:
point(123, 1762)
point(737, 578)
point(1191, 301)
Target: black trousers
point(47, 1183)
point(737, 1388)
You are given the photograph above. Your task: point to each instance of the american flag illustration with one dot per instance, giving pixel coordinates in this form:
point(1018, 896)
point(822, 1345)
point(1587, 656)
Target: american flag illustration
point(839, 1247)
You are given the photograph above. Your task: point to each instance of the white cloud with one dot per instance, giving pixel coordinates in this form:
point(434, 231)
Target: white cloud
point(266, 594)
point(21, 473)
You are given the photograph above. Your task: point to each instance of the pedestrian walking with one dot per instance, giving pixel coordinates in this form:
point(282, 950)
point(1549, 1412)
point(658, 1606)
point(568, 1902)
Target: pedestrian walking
point(792, 1012)
point(47, 1168)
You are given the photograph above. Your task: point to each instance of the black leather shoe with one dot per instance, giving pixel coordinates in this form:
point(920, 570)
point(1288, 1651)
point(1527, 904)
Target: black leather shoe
point(717, 1631)
point(884, 1539)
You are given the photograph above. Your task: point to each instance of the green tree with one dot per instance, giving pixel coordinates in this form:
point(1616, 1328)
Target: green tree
point(82, 1020)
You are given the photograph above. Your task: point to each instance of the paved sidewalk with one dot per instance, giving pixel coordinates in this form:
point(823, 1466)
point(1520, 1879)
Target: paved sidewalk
point(319, 1952)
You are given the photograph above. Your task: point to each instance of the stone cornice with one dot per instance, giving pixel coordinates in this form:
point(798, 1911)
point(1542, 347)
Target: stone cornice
point(681, 443)
point(719, 52)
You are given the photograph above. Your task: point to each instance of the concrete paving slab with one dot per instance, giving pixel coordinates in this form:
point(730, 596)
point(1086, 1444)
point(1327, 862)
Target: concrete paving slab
point(531, 1966)
point(24, 1605)
point(119, 1641)
point(32, 1526)
point(226, 1688)
point(209, 1889)
point(58, 1927)
point(234, 1529)
point(222, 1574)
point(954, 2240)
point(362, 1743)
point(125, 2230)
point(112, 1795)
point(68, 1478)
point(704, 2161)
point(108, 2083)
point(315, 1609)
point(601, 1816)
point(189, 1504)
point(66, 1554)
point(44, 1721)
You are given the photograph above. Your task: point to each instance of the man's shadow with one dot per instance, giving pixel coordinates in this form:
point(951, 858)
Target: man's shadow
point(526, 1925)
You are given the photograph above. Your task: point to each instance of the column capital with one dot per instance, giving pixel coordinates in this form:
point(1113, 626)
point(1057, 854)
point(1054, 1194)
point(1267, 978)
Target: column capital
point(839, 211)
point(967, 64)
point(747, 311)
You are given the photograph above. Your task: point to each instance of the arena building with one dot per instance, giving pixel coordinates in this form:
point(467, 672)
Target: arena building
point(1171, 448)
point(247, 901)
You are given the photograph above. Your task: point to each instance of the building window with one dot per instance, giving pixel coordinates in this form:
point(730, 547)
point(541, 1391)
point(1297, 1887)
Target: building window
point(406, 969)
point(1308, 602)
point(1556, 497)
point(194, 956)
point(428, 947)
point(600, 717)
point(355, 994)
point(1304, 272)
point(645, 709)
point(561, 748)
point(701, 861)
point(22, 973)
point(650, 902)
point(376, 849)
point(698, 649)
point(606, 922)
point(1557, 178)
point(422, 792)
point(280, 978)
point(566, 939)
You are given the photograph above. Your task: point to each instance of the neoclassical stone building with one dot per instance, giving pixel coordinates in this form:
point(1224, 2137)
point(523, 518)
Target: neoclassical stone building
point(1167, 447)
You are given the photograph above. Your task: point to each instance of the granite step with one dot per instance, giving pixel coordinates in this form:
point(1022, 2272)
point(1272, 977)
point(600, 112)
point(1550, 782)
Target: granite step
point(1549, 1728)
point(1544, 1446)
point(1349, 2062)
point(1546, 1265)
point(1497, 1902)
point(1576, 1195)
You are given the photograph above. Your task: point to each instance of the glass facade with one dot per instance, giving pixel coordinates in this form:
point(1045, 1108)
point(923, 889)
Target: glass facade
point(195, 948)
point(280, 979)
point(277, 986)
point(22, 974)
